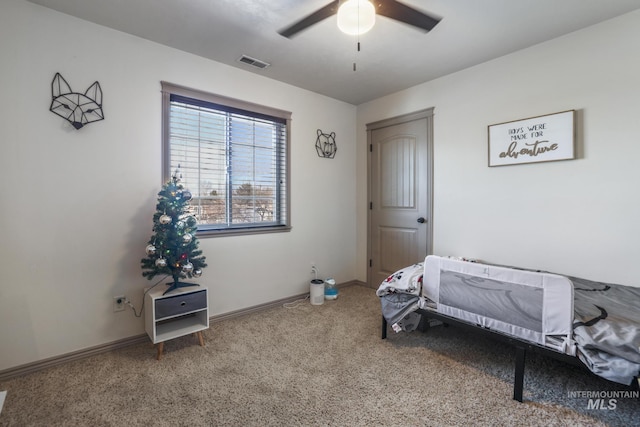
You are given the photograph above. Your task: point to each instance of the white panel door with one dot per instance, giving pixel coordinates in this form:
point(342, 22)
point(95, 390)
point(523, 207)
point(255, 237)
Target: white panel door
point(400, 196)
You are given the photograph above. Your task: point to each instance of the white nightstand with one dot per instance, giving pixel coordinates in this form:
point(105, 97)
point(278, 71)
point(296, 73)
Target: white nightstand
point(180, 312)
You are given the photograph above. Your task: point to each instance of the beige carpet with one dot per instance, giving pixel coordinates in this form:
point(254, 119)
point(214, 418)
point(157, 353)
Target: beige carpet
point(310, 366)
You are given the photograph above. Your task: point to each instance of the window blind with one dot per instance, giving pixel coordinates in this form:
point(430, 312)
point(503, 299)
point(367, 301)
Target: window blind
point(233, 160)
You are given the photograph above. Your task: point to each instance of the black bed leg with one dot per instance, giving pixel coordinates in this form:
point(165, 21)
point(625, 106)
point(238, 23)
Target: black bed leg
point(518, 381)
point(384, 328)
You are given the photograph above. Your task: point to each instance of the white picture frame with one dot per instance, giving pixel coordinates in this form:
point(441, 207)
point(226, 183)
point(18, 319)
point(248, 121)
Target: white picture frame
point(537, 139)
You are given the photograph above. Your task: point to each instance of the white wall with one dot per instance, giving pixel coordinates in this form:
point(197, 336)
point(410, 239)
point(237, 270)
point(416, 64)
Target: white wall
point(577, 217)
point(77, 204)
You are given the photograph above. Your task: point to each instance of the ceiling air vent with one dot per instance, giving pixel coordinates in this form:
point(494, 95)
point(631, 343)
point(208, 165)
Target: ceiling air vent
point(253, 61)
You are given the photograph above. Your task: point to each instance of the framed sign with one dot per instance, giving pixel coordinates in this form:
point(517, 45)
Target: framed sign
point(538, 139)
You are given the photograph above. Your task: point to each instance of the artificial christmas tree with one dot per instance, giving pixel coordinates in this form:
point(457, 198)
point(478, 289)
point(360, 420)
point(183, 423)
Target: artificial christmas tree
point(173, 248)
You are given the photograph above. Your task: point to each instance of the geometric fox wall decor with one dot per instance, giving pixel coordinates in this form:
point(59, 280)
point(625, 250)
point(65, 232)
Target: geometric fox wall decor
point(77, 108)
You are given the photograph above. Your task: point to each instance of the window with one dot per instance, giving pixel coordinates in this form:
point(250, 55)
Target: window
point(233, 157)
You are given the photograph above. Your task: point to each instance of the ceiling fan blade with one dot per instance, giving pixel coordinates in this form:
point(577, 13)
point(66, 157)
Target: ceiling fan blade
point(314, 18)
point(403, 13)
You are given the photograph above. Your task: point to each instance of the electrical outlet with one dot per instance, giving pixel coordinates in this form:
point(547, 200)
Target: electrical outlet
point(118, 303)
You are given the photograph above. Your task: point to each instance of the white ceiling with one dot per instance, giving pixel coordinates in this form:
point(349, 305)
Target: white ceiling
point(393, 56)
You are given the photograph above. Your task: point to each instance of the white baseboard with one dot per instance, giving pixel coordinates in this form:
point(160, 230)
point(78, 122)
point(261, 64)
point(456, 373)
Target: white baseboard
point(138, 339)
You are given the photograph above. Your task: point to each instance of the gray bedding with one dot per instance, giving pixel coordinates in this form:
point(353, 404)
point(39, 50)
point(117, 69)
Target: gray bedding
point(607, 328)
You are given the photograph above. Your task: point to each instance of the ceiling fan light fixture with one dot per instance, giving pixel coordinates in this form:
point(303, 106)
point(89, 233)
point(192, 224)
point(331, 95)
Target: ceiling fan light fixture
point(356, 17)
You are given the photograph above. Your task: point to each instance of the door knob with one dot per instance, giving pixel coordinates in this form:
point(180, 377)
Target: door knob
point(421, 220)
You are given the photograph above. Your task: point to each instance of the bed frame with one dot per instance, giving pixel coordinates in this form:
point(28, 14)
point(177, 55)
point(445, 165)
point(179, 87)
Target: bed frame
point(535, 314)
point(521, 347)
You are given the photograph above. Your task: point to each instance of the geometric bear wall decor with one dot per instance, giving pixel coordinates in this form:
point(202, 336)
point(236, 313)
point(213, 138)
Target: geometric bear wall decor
point(77, 108)
point(326, 144)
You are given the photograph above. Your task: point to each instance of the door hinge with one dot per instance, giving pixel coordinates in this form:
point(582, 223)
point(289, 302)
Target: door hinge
point(370, 263)
point(370, 205)
point(371, 148)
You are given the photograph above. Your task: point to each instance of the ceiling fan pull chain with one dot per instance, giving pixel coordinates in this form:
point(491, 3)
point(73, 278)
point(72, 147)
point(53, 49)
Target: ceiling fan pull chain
point(358, 33)
point(358, 42)
point(354, 58)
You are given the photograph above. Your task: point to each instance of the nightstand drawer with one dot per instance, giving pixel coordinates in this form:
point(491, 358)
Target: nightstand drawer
point(181, 304)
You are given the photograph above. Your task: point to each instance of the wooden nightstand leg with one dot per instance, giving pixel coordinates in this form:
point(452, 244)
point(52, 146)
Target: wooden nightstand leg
point(200, 338)
point(160, 347)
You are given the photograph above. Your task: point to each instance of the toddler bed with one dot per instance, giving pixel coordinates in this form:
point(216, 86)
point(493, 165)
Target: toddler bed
point(593, 324)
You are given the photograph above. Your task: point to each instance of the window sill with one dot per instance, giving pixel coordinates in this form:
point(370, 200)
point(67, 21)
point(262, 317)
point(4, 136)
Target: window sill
point(206, 233)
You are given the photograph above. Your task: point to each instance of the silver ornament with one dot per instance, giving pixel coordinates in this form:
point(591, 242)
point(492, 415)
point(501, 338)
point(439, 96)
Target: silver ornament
point(186, 195)
point(161, 262)
point(187, 237)
point(197, 273)
point(180, 224)
point(164, 219)
point(151, 250)
point(188, 267)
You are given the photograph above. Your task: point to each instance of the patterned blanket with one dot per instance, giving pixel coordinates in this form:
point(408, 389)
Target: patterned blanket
point(400, 297)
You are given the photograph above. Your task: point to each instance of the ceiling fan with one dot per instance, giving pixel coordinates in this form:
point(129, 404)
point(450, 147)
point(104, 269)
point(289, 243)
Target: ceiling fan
point(365, 12)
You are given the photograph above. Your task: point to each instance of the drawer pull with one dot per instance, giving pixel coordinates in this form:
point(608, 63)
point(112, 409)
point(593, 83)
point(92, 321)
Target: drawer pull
point(183, 303)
